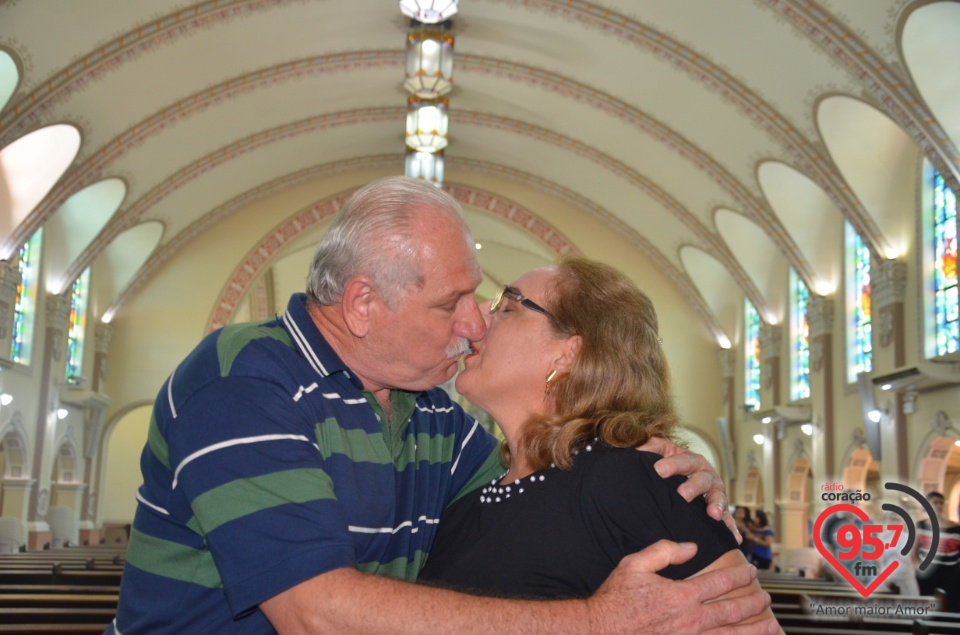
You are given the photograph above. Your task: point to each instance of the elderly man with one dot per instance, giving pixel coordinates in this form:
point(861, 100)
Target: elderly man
point(289, 460)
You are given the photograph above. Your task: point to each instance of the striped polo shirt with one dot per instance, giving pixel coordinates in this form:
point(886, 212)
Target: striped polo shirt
point(268, 464)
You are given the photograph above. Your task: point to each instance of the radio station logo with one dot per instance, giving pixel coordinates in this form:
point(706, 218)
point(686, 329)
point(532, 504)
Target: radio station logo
point(857, 545)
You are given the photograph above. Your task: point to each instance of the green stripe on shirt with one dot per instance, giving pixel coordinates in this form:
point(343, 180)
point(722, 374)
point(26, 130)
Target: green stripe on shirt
point(158, 445)
point(173, 560)
point(234, 338)
point(245, 496)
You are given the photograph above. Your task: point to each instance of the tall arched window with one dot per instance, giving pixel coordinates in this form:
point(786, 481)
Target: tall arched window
point(77, 327)
point(859, 330)
point(751, 355)
point(799, 338)
point(25, 307)
point(945, 312)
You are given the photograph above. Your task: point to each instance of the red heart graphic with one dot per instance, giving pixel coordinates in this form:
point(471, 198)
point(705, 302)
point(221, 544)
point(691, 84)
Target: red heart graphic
point(864, 591)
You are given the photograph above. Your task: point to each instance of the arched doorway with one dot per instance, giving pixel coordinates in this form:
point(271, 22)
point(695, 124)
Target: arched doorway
point(938, 463)
point(862, 473)
point(14, 470)
point(123, 444)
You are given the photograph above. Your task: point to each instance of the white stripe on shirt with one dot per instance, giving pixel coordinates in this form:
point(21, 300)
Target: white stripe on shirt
point(453, 468)
point(231, 443)
point(173, 408)
point(151, 505)
point(304, 346)
point(349, 402)
point(393, 530)
point(305, 391)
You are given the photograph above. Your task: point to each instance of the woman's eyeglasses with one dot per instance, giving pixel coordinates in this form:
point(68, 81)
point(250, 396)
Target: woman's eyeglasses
point(516, 296)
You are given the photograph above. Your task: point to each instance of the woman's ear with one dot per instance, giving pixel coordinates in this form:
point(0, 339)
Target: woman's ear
point(569, 350)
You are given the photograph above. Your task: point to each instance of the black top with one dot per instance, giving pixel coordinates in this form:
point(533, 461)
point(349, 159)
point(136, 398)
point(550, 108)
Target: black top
point(560, 533)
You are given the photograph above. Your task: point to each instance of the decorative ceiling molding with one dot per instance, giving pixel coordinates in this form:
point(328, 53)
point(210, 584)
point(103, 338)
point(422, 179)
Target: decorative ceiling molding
point(809, 159)
point(25, 114)
point(898, 96)
point(271, 246)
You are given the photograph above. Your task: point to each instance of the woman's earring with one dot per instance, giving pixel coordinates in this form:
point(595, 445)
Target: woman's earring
point(550, 376)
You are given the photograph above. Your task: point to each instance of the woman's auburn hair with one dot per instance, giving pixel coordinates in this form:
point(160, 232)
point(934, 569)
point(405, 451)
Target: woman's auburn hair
point(618, 387)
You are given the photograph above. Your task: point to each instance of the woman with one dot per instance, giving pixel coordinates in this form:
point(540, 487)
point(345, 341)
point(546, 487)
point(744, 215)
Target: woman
point(761, 536)
point(573, 372)
point(944, 571)
point(741, 516)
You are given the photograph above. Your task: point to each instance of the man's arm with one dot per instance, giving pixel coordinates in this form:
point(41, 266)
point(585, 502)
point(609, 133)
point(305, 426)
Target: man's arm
point(702, 478)
point(633, 599)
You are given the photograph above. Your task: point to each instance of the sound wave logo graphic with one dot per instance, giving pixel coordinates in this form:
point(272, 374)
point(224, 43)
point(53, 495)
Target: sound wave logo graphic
point(851, 540)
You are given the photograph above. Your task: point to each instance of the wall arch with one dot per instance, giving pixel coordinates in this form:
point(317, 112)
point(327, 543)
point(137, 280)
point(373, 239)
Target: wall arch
point(122, 445)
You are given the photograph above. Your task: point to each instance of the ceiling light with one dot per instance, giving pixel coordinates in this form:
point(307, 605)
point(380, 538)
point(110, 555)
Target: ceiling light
point(429, 11)
point(886, 387)
point(807, 429)
point(425, 165)
point(5, 399)
point(875, 416)
point(427, 124)
point(759, 439)
point(479, 246)
point(766, 420)
point(429, 63)
point(62, 413)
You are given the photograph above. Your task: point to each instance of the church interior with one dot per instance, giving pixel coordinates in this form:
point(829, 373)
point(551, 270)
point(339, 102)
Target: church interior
point(779, 176)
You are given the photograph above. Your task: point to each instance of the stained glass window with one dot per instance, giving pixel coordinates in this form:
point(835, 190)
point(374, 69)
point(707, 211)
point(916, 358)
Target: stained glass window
point(799, 338)
point(945, 266)
point(859, 330)
point(25, 305)
point(77, 326)
point(751, 355)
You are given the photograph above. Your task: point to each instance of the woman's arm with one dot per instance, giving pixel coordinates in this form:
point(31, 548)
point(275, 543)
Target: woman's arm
point(764, 539)
point(733, 559)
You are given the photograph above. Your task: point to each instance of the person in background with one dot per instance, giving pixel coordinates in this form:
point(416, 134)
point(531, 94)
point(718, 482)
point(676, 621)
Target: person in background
point(741, 516)
point(761, 536)
point(944, 572)
point(573, 372)
point(903, 580)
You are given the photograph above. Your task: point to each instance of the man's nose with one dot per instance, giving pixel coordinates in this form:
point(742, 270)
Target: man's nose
point(474, 326)
point(485, 313)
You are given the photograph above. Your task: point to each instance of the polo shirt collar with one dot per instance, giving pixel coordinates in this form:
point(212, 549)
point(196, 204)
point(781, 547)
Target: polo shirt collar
point(310, 342)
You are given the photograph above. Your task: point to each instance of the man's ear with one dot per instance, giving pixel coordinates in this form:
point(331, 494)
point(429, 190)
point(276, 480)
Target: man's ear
point(356, 305)
point(568, 354)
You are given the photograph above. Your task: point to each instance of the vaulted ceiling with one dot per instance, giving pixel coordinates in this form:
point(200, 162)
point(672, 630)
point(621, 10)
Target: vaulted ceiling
point(721, 142)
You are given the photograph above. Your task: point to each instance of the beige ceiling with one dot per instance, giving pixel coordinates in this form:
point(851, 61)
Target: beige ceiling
point(719, 142)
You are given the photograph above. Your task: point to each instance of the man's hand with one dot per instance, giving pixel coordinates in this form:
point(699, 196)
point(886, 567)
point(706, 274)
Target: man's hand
point(635, 598)
point(702, 479)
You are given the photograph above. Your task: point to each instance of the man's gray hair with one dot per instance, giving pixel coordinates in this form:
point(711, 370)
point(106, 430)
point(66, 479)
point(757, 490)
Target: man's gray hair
point(374, 235)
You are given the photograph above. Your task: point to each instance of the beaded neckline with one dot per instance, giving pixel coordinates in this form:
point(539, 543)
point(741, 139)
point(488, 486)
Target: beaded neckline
point(496, 492)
